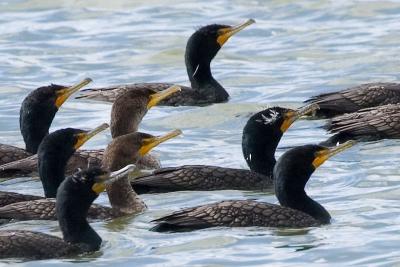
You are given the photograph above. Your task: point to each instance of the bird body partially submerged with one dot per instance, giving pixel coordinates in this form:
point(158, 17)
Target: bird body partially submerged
point(368, 124)
point(260, 139)
point(297, 209)
point(356, 98)
point(54, 153)
point(74, 197)
point(201, 48)
point(37, 112)
point(126, 114)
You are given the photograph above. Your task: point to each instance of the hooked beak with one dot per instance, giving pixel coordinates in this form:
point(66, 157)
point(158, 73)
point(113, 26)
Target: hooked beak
point(225, 33)
point(322, 155)
point(149, 143)
point(157, 97)
point(84, 136)
point(63, 94)
point(111, 177)
point(293, 115)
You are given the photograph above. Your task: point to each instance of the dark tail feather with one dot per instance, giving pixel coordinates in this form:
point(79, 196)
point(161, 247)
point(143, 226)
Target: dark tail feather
point(165, 227)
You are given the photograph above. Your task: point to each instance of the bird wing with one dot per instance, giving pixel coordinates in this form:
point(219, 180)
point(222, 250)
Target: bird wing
point(42, 209)
point(200, 177)
point(28, 166)
point(234, 213)
point(11, 153)
point(378, 122)
point(33, 245)
point(358, 97)
point(109, 94)
point(45, 209)
point(7, 198)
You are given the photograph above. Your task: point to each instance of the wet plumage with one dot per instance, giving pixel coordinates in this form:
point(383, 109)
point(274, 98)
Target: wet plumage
point(37, 112)
point(53, 153)
point(124, 150)
point(126, 114)
point(261, 136)
point(201, 48)
point(375, 123)
point(356, 98)
point(297, 209)
point(74, 197)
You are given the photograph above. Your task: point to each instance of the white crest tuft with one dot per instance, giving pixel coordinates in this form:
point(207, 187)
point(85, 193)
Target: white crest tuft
point(273, 116)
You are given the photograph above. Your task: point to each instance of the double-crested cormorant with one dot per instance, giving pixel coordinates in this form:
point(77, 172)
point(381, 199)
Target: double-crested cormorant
point(122, 151)
point(74, 197)
point(201, 48)
point(54, 152)
point(297, 209)
point(126, 114)
point(369, 124)
point(37, 112)
point(356, 98)
point(261, 136)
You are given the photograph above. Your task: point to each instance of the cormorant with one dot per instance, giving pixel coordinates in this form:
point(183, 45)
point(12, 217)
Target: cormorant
point(261, 136)
point(74, 197)
point(35, 117)
point(297, 209)
point(126, 114)
point(201, 48)
point(368, 124)
point(356, 98)
point(122, 151)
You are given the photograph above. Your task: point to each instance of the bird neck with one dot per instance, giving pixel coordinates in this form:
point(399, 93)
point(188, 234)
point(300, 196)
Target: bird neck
point(34, 126)
point(51, 167)
point(259, 152)
point(126, 120)
point(35, 118)
point(71, 213)
point(289, 195)
point(123, 199)
point(203, 82)
point(261, 160)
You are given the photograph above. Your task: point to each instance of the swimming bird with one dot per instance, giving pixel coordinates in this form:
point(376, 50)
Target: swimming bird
point(74, 197)
point(368, 124)
point(126, 114)
point(54, 152)
point(201, 48)
point(296, 209)
point(37, 112)
point(122, 151)
point(356, 98)
point(261, 136)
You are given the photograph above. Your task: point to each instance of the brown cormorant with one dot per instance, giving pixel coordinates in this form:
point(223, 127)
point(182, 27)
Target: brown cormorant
point(126, 114)
point(201, 48)
point(297, 209)
point(122, 151)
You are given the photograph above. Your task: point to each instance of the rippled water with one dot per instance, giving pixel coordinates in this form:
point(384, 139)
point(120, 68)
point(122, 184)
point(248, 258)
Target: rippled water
point(295, 50)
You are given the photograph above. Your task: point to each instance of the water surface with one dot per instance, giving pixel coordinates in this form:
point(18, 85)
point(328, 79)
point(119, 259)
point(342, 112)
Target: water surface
point(295, 50)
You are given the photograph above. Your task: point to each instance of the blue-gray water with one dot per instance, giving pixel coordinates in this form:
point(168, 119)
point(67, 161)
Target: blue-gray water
point(295, 50)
